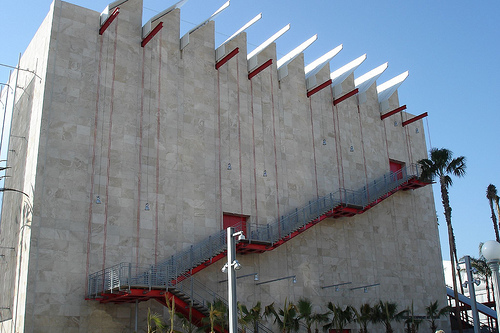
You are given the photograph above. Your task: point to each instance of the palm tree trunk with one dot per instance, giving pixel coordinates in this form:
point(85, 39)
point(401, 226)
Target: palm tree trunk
point(494, 219)
point(433, 326)
point(497, 204)
point(447, 214)
point(460, 283)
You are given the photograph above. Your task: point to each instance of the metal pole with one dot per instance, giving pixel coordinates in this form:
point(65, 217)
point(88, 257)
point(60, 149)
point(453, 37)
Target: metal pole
point(472, 294)
point(231, 278)
point(493, 264)
point(136, 313)
point(5, 111)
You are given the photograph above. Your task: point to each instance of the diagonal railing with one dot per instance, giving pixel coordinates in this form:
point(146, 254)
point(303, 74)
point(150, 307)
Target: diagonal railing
point(361, 199)
point(172, 271)
point(182, 263)
point(121, 278)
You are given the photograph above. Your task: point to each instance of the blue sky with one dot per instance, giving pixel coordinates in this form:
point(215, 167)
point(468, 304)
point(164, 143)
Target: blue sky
point(451, 49)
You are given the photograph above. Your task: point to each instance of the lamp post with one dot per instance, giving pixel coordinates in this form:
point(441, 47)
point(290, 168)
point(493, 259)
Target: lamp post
point(491, 252)
point(472, 293)
point(231, 267)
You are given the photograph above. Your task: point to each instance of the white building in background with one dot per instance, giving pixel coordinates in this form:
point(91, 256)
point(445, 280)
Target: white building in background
point(481, 291)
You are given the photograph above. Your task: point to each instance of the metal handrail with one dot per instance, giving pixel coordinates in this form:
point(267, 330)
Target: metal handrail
point(181, 264)
point(176, 271)
point(121, 278)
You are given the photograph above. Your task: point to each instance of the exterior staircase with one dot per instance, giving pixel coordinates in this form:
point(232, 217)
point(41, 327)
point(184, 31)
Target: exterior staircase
point(173, 277)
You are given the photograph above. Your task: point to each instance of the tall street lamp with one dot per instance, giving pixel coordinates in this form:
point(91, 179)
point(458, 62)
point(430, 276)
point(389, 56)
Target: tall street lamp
point(491, 252)
point(231, 267)
point(472, 293)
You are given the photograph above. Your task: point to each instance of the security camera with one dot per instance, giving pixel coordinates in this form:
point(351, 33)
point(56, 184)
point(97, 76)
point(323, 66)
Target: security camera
point(240, 236)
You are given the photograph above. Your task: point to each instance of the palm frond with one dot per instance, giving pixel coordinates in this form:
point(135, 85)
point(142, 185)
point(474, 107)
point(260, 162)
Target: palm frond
point(491, 192)
point(447, 181)
point(427, 167)
point(457, 166)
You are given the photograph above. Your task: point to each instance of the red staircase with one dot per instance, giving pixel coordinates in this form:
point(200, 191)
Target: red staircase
point(169, 278)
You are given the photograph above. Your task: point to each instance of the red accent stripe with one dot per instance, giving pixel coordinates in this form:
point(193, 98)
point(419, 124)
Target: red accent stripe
point(254, 156)
point(152, 34)
point(409, 121)
point(220, 158)
point(239, 135)
point(338, 143)
point(314, 149)
point(89, 224)
point(408, 143)
point(227, 58)
point(363, 150)
point(318, 88)
point(260, 69)
point(108, 168)
point(110, 20)
point(275, 151)
point(386, 142)
point(390, 113)
point(158, 130)
point(346, 96)
point(139, 172)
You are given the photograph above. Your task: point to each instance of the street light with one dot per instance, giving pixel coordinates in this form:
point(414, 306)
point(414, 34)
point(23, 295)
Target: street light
point(472, 293)
point(231, 267)
point(491, 252)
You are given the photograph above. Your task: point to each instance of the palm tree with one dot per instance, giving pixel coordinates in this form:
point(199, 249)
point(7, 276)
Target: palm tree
point(171, 312)
point(433, 313)
point(186, 322)
point(497, 204)
point(286, 317)
point(305, 313)
point(491, 194)
point(308, 316)
point(387, 312)
point(363, 316)
point(340, 317)
point(412, 322)
point(253, 316)
point(243, 316)
point(319, 318)
point(217, 317)
point(154, 319)
point(440, 165)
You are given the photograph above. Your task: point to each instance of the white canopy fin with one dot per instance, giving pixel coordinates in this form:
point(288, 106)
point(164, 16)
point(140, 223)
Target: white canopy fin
point(185, 38)
point(243, 28)
point(366, 80)
point(338, 76)
point(252, 56)
point(146, 28)
point(386, 89)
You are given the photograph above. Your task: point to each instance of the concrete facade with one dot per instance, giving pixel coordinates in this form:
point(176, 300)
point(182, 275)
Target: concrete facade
point(157, 125)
